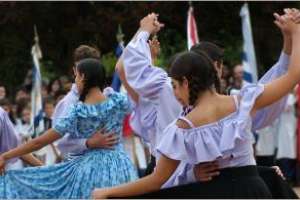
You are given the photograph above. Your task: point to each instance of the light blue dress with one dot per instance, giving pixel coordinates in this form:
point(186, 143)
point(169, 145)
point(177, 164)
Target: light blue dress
point(78, 177)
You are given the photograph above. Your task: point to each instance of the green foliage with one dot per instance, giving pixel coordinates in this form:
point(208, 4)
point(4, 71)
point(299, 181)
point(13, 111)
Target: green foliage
point(46, 67)
point(63, 26)
point(109, 61)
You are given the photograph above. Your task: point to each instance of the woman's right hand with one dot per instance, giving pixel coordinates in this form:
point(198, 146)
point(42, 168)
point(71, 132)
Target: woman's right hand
point(151, 24)
point(286, 22)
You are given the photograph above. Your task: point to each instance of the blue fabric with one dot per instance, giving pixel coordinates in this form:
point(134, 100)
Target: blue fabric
point(78, 177)
point(116, 82)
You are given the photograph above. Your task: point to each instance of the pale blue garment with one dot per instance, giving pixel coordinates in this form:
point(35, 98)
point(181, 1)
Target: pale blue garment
point(93, 169)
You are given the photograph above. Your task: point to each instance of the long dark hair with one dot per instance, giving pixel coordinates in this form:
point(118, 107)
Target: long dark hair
point(198, 69)
point(214, 52)
point(94, 75)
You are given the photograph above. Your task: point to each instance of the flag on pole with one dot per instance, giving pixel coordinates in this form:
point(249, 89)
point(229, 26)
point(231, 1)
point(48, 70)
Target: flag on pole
point(116, 82)
point(248, 56)
point(192, 32)
point(37, 121)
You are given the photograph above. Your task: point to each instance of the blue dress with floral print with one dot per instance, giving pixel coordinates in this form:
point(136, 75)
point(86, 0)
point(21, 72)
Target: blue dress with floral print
point(78, 177)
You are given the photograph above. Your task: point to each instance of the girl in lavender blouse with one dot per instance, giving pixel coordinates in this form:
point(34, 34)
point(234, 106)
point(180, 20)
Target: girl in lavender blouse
point(217, 128)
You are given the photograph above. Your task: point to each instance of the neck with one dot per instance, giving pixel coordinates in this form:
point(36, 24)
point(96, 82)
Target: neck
point(207, 97)
point(94, 95)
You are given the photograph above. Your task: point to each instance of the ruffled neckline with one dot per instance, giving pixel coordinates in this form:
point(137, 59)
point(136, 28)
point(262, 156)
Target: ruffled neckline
point(208, 125)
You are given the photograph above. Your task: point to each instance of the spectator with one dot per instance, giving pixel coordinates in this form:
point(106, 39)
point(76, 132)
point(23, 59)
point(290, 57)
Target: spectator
point(23, 127)
point(2, 92)
point(6, 105)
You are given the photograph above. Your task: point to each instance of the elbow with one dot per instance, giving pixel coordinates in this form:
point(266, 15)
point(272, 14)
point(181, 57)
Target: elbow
point(158, 182)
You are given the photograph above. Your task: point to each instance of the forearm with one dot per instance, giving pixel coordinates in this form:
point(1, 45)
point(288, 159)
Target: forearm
point(131, 92)
point(120, 70)
point(267, 115)
point(31, 160)
point(142, 76)
point(287, 44)
point(144, 185)
point(33, 145)
point(163, 171)
point(286, 83)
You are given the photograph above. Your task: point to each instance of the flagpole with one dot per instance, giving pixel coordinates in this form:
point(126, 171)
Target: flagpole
point(36, 97)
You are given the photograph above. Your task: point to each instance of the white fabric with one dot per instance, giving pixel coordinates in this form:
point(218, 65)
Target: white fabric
point(287, 131)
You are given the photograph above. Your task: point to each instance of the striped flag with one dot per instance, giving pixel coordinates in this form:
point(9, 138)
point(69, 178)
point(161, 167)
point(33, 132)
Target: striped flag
point(248, 56)
point(192, 32)
point(37, 121)
point(116, 82)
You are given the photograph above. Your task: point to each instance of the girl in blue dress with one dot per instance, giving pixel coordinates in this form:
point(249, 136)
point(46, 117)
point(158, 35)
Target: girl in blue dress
point(95, 168)
point(217, 128)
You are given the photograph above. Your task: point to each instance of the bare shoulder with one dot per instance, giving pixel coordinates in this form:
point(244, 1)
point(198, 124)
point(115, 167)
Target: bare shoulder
point(182, 124)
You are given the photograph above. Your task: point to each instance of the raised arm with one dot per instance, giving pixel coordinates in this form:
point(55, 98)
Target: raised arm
point(131, 92)
point(267, 115)
point(142, 76)
point(280, 87)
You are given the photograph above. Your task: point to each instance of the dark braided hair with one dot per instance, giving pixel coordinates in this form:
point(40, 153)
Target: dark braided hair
point(94, 75)
point(198, 69)
point(214, 52)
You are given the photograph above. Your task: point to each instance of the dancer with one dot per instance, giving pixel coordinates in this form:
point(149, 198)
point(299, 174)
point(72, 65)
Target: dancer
point(94, 168)
point(68, 146)
point(218, 127)
point(158, 107)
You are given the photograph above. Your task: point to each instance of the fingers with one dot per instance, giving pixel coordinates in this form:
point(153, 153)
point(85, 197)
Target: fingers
point(278, 24)
point(211, 166)
point(101, 131)
point(206, 171)
point(278, 18)
point(278, 171)
point(111, 140)
point(208, 176)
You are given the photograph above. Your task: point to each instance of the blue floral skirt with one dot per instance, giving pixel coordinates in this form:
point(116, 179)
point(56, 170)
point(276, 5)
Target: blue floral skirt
point(74, 179)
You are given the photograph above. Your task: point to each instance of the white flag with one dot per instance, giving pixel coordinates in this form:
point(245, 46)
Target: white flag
point(37, 122)
point(192, 32)
point(249, 60)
